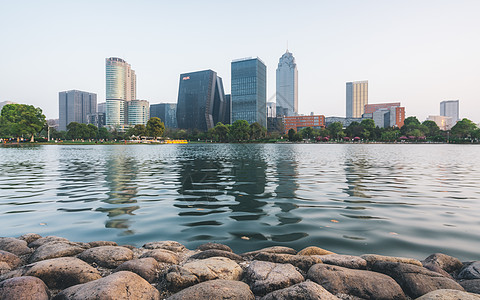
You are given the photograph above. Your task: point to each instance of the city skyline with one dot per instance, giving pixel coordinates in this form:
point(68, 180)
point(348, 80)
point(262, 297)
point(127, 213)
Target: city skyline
point(413, 56)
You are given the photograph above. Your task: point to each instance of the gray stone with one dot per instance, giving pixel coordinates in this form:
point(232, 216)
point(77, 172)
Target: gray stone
point(119, 285)
point(373, 258)
point(24, 288)
point(471, 271)
point(167, 245)
point(107, 256)
point(471, 286)
point(312, 250)
point(102, 243)
point(346, 261)
point(265, 277)
point(274, 249)
point(4, 268)
point(147, 268)
point(307, 290)
point(162, 255)
point(216, 253)
point(359, 283)
point(29, 237)
point(54, 250)
point(208, 246)
point(449, 295)
point(15, 246)
point(303, 262)
point(414, 280)
point(443, 264)
point(180, 277)
point(216, 290)
point(48, 239)
point(10, 259)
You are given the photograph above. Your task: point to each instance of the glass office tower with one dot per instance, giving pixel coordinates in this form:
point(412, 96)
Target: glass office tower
point(287, 85)
point(450, 109)
point(249, 91)
point(167, 112)
point(138, 112)
point(357, 98)
point(75, 106)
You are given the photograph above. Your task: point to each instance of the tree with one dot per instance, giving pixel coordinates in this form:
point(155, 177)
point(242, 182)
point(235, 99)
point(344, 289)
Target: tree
point(18, 120)
point(463, 128)
point(411, 126)
point(291, 134)
point(221, 132)
point(335, 129)
point(240, 130)
point(306, 132)
point(354, 130)
point(155, 127)
point(137, 130)
point(257, 131)
point(431, 128)
point(103, 134)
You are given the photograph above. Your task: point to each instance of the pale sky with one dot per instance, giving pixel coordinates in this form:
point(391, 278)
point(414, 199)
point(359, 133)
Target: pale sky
point(417, 52)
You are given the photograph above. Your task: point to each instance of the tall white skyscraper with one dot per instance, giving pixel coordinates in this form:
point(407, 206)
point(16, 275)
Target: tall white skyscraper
point(450, 108)
point(357, 98)
point(287, 85)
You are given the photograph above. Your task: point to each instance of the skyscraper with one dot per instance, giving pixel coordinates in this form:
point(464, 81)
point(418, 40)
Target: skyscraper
point(357, 98)
point(450, 108)
point(167, 112)
point(287, 85)
point(138, 112)
point(75, 106)
point(249, 90)
point(201, 100)
point(121, 86)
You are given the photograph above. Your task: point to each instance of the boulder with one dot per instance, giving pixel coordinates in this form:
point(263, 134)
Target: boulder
point(167, 245)
point(180, 277)
point(449, 295)
point(107, 256)
point(471, 271)
point(415, 281)
point(119, 285)
point(216, 253)
point(314, 251)
point(15, 246)
point(208, 246)
point(48, 239)
point(24, 288)
point(307, 290)
point(54, 250)
point(4, 268)
point(162, 255)
point(265, 277)
point(359, 283)
point(302, 262)
point(442, 264)
point(102, 243)
point(29, 237)
point(145, 267)
point(216, 290)
point(346, 261)
point(10, 259)
point(274, 249)
point(372, 258)
point(471, 286)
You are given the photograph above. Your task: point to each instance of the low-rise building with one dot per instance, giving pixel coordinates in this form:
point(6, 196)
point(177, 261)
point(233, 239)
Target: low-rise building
point(299, 122)
point(443, 122)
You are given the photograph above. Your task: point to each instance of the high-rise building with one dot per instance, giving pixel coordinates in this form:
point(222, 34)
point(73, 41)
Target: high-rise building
point(102, 107)
point(228, 109)
point(166, 112)
point(121, 86)
point(357, 98)
point(450, 108)
point(271, 109)
point(249, 90)
point(287, 84)
point(75, 106)
point(201, 100)
point(138, 112)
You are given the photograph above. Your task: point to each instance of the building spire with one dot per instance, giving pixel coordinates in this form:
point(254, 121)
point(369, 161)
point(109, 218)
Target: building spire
point(287, 46)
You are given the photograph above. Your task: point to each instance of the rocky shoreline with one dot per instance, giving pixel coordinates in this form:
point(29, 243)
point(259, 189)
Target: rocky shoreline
point(35, 267)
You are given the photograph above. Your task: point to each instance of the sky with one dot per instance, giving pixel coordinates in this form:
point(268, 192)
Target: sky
point(417, 52)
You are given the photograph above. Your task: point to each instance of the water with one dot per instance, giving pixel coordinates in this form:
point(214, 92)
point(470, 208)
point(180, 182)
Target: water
point(405, 200)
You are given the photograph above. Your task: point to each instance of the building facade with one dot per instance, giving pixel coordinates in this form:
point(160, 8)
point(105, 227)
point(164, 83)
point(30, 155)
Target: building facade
point(450, 108)
point(249, 91)
point(345, 121)
point(228, 109)
point(370, 108)
point(201, 100)
point(75, 106)
point(287, 85)
point(385, 114)
point(299, 122)
point(167, 112)
point(357, 98)
point(138, 112)
point(271, 109)
point(443, 122)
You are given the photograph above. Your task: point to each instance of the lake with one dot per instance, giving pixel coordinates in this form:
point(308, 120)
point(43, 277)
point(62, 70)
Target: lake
point(391, 199)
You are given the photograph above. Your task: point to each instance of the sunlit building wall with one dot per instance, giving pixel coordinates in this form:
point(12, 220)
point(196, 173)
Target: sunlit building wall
point(357, 98)
point(287, 85)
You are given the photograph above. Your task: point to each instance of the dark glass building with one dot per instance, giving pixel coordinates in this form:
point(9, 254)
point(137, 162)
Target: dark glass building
point(167, 112)
point(228, 110)
point(75, 106)
point(249, 91)
point(201, 100)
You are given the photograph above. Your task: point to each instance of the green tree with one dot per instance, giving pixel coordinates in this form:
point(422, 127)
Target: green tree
point(240, 130)
point(335, 129)
point(91, 132)
point(20, 120)
point(257, 131)
point(221, 132)
point(431, 128)
point(464, 128)
point(354, 130)
point(411, 126)
point(103, 134)
point(137, 130)
point(155, 127)
point(307, 132)
point(291, 134)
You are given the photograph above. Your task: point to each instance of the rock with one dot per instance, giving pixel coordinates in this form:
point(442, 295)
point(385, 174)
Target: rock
point(10, 259)
point(265, 277)
point(48, 239)
point(216, 253)
point(120, 285)
point(145, 267)
point(414, 280)
point(314, 251)
point(346, 261)
point(102, 243)
point(302, 262)
point(359, 283)
point(24, 288)
point(29, 237)
point(54, 250)
point(372, 258)
point(216, 290)
point(107, 256)
point(442, 264)
point(15, 246)
point(307, 290)
point(167, 245)
point(449, 295)
point(471, 286)
point(162, 255)
point(471, 271)
point(208, 246)
point(274, 249)
point(4, 268)
point(203, 270)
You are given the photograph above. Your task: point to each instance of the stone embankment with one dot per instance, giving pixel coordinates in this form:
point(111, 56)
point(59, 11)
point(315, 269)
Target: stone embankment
point(35, 267)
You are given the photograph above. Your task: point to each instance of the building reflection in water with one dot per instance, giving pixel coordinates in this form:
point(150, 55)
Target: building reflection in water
point(356, 172)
